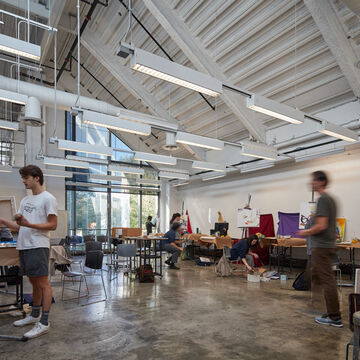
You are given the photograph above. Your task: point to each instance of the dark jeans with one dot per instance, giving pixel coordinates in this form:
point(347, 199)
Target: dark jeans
point(323, 278)
point(175, 252)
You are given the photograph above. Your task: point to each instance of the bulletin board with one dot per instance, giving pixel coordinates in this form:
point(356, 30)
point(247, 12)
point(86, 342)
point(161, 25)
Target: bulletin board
point(248, 218)
point(63, 225)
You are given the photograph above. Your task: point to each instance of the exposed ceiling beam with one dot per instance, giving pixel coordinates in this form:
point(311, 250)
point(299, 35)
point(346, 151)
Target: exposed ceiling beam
point(202, 61)
point(123, 74)
point(330, 27)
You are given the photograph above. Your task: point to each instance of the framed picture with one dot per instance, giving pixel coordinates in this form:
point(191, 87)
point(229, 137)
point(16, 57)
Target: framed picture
point(7, 207)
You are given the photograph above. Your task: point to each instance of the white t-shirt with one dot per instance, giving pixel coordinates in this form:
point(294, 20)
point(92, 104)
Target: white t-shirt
point(36, 209)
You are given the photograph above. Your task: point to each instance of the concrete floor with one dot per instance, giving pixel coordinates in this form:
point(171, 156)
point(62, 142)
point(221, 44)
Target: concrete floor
point(189, 314)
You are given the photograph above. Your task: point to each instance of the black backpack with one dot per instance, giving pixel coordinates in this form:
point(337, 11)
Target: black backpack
point(145, 274)
point(300, 282)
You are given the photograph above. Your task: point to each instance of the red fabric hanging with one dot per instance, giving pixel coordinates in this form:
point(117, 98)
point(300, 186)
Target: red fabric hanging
point(266, 226)
point(188, 223)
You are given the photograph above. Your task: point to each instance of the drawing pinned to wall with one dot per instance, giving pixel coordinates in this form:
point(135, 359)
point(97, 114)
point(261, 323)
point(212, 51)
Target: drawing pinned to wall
point(340, 229)
point(307, 209)
point(248, 218)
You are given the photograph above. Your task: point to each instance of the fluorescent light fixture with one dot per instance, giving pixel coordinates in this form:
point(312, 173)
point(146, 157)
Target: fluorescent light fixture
point(66, 162)
point(172, 175)
point(106, 177)
point(200, 141)
point(19, 47)
point(167, 70)
point(154, 158)
point(180, 171)
point(148, 182)
point(316, 155)
point(126, 169)
point(57, 173)
point(181, 184)
point(115, 123)
point(87, 159)
point(5, 168)
point(84, 147)
point(204, 165)
point(339, 132)
point(255, 167)
point(13, 97)
point(275, 109)
point(218, 176)
point(9, 125)
point(260, 151)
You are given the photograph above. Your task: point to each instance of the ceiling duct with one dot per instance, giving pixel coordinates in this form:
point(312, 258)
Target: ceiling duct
point(32, 115)
point(170, 144)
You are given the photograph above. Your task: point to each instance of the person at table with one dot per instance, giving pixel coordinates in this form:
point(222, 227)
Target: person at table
point(171, 245)
point(323, 250)
point(175, 218)
point(243, 250)
point(149, 225)
point(37, 216)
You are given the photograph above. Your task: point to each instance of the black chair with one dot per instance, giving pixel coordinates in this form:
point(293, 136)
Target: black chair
point(354, 306)
point(66, 242)
point(87, 238)
point(94, 261)
point(92, 246)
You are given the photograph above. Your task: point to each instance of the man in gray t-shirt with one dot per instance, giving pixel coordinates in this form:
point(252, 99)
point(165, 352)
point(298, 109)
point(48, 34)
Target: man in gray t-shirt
point(323, 234)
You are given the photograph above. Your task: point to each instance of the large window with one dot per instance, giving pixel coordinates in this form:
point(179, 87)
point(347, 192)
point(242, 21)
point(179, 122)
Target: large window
point(88, 199)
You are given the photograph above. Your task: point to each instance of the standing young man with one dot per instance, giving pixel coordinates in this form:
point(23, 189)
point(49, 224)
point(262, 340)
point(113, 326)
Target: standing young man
point(322, 234)
point(38, 217)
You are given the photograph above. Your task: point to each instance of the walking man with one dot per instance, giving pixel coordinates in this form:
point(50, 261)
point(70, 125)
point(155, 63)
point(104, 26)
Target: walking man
point(36, 217)
point(322, 234)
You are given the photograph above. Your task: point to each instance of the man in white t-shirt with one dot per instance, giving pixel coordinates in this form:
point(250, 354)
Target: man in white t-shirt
point(36, 217)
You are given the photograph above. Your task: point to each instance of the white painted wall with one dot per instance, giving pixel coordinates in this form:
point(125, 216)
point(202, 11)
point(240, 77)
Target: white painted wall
point(279, 189)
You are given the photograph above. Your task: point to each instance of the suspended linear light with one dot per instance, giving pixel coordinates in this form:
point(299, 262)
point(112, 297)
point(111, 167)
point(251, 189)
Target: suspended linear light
point(115, 123)
point(207, 178)
point(87, 159)
point(164, 69)
point(172, 175)
point(154, 158)
point(106, 177)
point(316, 155)
point(148, 182)
point(255, 167)
point(200, 141)
point(5, 168)
point(181, 171)
point(204, 165)
point(339, 132)
point(66, 162)
point(57, 173)
point(19, 47)
point(256, 150)
point(181, 184)
point(13, 97)
point(275, 109)
point(84, 147)
point(126, 169)
point(9, 125)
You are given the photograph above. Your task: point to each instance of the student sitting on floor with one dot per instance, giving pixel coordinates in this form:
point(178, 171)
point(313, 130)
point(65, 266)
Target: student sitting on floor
point(171, 245)
point(242, 249)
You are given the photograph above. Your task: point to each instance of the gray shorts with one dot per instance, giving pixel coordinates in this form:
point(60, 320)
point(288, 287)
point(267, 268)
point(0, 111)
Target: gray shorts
point(34, 262)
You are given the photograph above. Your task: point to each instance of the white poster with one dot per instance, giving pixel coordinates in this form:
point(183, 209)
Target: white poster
point(248, 218)
point(306, 210)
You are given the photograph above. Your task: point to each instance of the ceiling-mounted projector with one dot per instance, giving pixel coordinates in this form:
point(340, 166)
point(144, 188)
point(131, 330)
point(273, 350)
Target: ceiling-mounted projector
point(32, 115)
point(170, 144)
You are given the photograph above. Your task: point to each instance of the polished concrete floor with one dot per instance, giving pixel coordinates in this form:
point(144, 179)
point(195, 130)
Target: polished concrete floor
point(189, 314)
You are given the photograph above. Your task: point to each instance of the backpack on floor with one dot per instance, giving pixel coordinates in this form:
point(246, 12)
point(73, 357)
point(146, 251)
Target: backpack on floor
point(300, 282)
point(145, 274)
point(223, 267)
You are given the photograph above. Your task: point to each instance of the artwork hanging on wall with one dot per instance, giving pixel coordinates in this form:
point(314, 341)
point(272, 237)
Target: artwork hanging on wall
point(307, 209)
point(248, 218)
point(340, 229)
point(7, 207)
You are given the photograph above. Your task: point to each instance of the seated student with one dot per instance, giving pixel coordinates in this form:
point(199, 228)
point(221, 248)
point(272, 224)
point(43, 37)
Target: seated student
point(149, 225)
point(242, 250)
point(171, 245)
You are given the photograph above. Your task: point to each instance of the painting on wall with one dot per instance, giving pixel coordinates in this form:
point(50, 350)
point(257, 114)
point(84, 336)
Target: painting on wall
point(340, 229)
point(7, 207)
point(248, 218)
point(307, 209)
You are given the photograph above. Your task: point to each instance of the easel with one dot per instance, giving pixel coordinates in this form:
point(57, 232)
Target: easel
point(245, 230)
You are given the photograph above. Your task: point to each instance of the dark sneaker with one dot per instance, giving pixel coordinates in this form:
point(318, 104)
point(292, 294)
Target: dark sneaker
point(167, 262)
point(174, 267)
point(328, 321)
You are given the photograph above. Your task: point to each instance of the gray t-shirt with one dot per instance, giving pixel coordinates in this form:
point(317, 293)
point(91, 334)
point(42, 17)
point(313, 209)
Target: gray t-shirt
point(326, 207)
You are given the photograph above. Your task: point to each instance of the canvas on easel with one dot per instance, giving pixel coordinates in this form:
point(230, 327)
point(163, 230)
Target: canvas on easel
point(7, 207)
point(248, 218)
